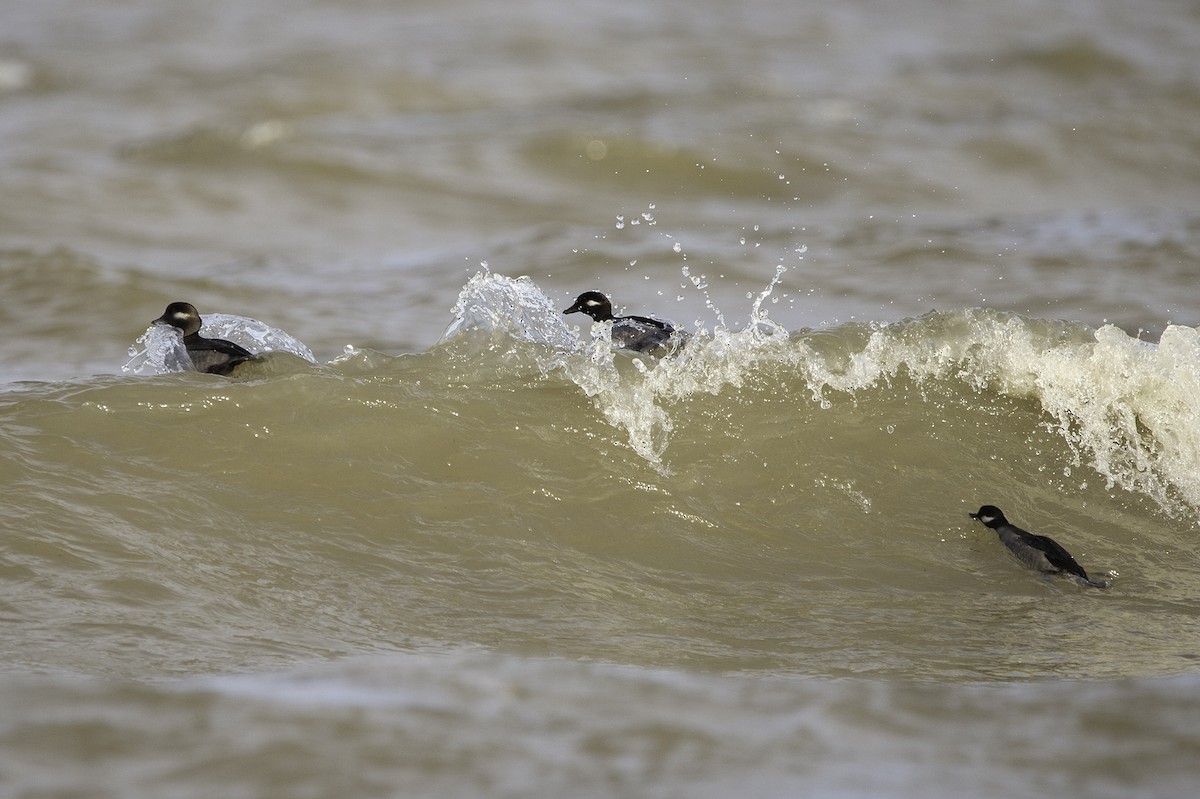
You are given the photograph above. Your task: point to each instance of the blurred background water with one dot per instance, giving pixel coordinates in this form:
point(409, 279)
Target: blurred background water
point(935, 255)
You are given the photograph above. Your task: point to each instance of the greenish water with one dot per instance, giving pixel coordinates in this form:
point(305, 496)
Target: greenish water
point(446, 543)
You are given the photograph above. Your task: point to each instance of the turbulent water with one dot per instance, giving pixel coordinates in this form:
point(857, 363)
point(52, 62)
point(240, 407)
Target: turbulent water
point(442, 540)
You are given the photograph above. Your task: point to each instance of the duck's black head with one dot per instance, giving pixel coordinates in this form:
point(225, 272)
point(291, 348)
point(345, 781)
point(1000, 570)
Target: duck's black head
point(182, 315)
point(594, 304)
point(990, 515)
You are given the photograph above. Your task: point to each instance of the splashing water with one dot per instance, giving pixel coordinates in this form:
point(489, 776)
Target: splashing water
point(162, 352)
point(497, 307)
point(503, 309)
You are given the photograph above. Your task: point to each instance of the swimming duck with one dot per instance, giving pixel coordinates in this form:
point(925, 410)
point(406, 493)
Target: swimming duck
point(212, 355)
point(1036, 551)
point(637, 333)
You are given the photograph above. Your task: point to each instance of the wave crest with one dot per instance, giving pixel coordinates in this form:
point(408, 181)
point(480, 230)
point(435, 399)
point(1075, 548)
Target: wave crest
point(1127, 407)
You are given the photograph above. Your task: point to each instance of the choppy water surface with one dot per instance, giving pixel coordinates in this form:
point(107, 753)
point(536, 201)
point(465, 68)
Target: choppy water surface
point(441, 540)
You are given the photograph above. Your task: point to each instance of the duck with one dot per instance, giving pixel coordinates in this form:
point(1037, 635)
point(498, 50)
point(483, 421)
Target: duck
point(211, 355)
point(636, 333)
point(1038, 552)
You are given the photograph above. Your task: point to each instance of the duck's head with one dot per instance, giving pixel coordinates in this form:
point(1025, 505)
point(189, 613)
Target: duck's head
point(990, 515)
point(182, 315)
point(594, 304)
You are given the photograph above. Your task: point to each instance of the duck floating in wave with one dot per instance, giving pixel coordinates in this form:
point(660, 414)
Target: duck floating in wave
point(212, 355)
point(1036, 551)
point(636, 333)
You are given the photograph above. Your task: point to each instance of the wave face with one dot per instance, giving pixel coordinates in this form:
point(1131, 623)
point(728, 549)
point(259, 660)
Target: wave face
point(1124, 407)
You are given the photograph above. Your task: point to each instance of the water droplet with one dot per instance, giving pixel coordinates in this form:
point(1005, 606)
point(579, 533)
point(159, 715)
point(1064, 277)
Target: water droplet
point(677, 247)
point(596, 150)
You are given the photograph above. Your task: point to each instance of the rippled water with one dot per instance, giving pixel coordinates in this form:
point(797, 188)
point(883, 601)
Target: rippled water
point(442, 541)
